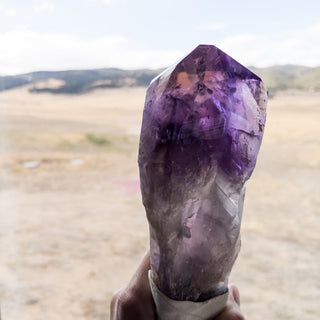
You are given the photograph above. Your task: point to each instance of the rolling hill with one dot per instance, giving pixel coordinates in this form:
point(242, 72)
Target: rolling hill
point(276, 78)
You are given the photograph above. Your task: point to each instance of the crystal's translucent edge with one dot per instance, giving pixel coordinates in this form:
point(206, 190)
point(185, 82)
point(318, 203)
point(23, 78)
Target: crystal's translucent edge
point(173, 66)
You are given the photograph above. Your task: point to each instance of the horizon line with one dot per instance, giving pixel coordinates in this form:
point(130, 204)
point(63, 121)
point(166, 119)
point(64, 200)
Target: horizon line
point(143, 68)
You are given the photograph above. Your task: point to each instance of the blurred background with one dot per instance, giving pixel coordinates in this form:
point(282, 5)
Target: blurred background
point(73, 77)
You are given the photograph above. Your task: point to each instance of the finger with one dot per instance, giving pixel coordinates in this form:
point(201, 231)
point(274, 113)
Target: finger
point(140, 277)
point(135, 301)
point(234, 294)
point(232, 309)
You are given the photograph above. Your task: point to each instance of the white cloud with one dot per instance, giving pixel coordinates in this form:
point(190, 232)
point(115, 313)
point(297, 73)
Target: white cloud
point(210, 27)
point(45, 7)
point(25, 51)
point(311, 31)
point(297, 47)
point(11, 13)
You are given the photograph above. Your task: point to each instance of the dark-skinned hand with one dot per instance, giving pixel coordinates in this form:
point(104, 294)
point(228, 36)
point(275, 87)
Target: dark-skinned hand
point(135, 302)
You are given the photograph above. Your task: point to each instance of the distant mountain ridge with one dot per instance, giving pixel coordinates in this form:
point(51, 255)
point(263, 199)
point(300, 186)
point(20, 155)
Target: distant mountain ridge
point(79, 81)
point(284, 77)
point(276, 78)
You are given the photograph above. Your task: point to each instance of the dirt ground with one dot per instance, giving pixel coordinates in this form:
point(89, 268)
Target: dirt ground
point(73, 229)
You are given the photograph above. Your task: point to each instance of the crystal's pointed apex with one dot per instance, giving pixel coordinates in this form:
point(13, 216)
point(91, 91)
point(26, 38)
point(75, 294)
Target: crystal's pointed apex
point(210, 58)
point(215, 59)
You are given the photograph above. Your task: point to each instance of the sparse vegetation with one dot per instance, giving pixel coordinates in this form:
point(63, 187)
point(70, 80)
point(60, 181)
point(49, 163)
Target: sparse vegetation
point(64, 193)
point(97, 140)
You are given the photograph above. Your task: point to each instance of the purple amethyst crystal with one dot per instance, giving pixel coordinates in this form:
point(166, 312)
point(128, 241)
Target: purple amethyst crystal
point(202, 128)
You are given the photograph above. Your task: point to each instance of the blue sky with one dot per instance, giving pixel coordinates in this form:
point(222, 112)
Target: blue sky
point(56, 34)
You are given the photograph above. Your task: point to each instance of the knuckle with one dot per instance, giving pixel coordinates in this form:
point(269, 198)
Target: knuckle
point(122, 306)
point(122, 300)
point(115, 298)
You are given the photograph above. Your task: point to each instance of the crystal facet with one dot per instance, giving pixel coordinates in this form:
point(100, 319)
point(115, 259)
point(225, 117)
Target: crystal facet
point(202, 128)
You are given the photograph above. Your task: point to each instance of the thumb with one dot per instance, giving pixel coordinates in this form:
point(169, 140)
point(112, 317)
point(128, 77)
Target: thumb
point(232, 309)
point(234, 295)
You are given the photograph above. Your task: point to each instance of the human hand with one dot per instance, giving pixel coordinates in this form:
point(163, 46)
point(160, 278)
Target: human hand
point(135, 302)
point(232, 309)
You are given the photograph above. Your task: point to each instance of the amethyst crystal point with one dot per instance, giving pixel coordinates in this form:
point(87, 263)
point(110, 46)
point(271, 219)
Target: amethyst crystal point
point(202, 127)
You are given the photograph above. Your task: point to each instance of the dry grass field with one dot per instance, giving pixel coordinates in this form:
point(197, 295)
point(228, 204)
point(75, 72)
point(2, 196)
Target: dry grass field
point(72, 226)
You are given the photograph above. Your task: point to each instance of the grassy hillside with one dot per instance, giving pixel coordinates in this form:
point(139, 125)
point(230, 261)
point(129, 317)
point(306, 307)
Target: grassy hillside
point(289, 77)
point(79, 81)
point(276, 78)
